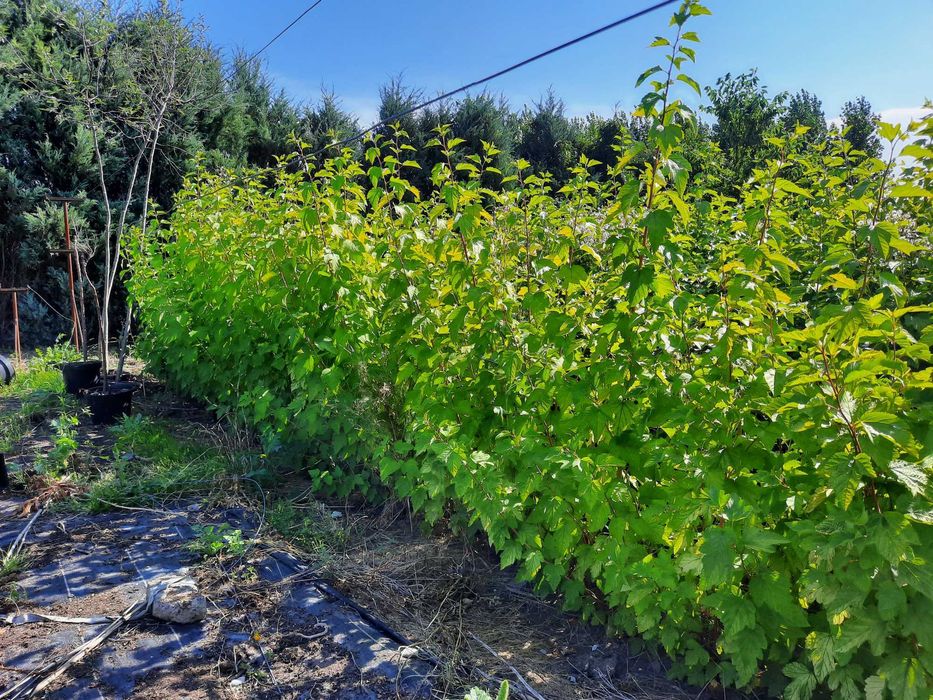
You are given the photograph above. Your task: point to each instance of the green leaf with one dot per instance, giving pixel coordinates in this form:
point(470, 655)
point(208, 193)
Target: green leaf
point(822, 655)
point(910, 190)
point(737, 614)
point(874, 688)
point(861, 629)
point(788, 186)
point(761, 540)
point(892, 600)
point(886, 425)
point(647, 74)
point(691, 82)
point(914, 476)
point(802, 682)
point(718, 556)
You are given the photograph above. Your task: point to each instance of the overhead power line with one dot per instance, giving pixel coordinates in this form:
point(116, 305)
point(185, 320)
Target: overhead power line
point(240, 64)
point(450, 93)
point(499, 73)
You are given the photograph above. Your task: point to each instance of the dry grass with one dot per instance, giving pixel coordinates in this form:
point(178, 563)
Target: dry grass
point(450, 599)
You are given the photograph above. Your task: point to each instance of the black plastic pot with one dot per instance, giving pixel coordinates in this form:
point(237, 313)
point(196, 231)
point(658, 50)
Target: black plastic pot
point(109, 406)
point(80, 375)
point(6, 371)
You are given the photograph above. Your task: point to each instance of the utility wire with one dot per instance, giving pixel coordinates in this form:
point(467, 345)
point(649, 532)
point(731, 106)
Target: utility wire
point(240, 64)
point(450, 93)
point(498, 74)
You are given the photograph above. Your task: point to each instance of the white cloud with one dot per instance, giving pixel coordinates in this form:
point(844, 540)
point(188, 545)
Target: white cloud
point(903, 115)
point(892, 115)
point(365, 109)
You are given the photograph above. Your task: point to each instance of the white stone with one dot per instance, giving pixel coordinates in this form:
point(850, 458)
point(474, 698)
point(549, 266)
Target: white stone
point(180, 602)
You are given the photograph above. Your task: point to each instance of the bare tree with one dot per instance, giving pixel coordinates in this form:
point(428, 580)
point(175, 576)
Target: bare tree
point(130, 71)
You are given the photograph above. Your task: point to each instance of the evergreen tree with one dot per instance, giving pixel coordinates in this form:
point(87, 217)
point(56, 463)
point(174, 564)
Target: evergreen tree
point(547, 137)
point(859, 124)
point(805, 109)
point(745, 115)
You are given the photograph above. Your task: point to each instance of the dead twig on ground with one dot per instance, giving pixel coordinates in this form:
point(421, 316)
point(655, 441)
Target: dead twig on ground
point(17, 544)
point(518, 676)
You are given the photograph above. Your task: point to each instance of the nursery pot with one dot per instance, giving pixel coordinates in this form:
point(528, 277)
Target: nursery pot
point(109, 406)
point(80, 375)
point(6, 371)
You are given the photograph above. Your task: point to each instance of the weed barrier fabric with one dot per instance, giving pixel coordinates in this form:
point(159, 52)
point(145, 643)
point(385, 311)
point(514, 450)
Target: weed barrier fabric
point(127, 552)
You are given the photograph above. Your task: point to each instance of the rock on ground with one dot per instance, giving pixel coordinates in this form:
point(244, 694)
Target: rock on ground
point(180, 602)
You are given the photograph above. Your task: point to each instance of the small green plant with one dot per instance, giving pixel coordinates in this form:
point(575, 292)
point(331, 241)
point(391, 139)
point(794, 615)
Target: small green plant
point(61, 457)
point(16, 594)
point(480, 694)
point(218, 540)
point(43, 373)
point(149, 461)
point(12, 565)
point(13, 426)
point(317, 533)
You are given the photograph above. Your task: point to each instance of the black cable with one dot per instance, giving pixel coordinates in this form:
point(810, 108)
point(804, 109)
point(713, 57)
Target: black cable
point(255, 55)
point(500, 73)
point(451, 93)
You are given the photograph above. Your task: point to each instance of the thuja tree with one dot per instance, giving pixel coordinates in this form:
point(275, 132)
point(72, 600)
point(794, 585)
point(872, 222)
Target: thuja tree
point(697, 417)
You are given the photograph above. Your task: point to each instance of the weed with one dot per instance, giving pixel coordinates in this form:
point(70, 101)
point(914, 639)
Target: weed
point(16, 594)
point(61, 457)
point(13, 427)
point(480, 694)
point(319, 535)
point(218, 540)
point(43, 373)
point(12, 565)
point(150, 462)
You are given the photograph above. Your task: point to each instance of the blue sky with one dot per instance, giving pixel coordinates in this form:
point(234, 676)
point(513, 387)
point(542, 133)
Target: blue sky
point(837, 49)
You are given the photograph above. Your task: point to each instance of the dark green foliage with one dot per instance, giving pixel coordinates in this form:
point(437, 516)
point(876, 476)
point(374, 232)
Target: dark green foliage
point(859, 125)
point(804, 109)
point(745, 116)
point(546, 137)
point(326, 123)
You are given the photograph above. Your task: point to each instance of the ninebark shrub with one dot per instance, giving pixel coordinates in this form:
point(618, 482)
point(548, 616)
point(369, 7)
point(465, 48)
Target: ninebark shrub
point(700, 418)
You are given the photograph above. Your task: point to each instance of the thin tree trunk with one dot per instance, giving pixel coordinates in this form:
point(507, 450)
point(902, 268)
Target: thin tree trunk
point(94, 297)
point(82, 326)
point(103, 325)
point(124, 338)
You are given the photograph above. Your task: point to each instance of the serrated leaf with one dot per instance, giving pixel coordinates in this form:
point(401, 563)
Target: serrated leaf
point(822, 656)
point(802, 682)
point(914, 476)
point(718, 556)
point(874, 688)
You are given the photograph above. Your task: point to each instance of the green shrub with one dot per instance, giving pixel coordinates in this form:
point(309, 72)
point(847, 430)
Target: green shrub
point(702, 419)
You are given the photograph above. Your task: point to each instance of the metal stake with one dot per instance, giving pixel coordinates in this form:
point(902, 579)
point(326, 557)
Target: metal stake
point(16, 346)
